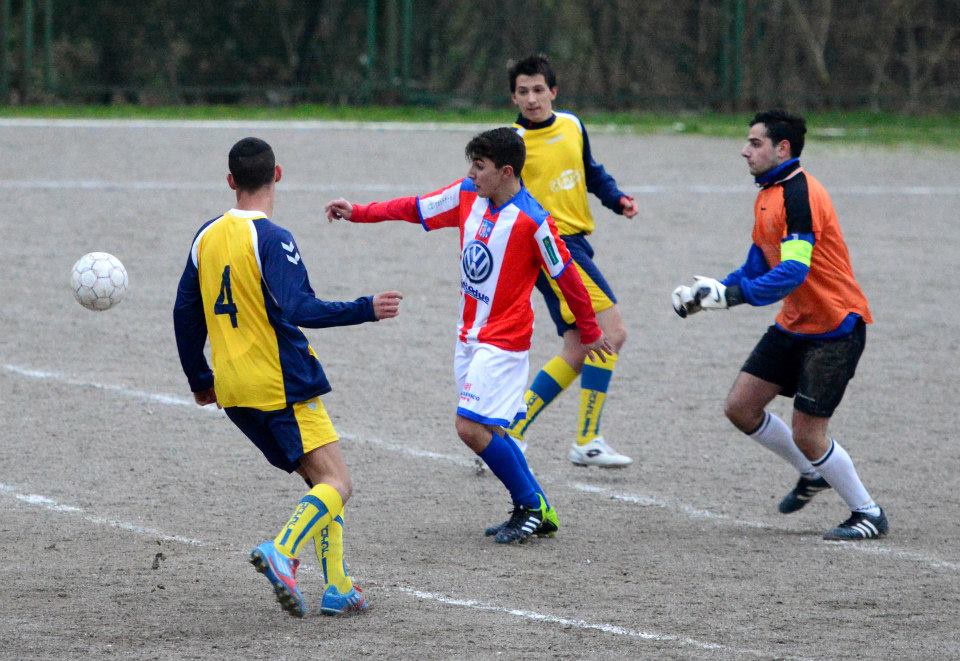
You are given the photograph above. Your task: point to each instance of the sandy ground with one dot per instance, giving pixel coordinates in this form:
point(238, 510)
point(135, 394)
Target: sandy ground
point(126, 513)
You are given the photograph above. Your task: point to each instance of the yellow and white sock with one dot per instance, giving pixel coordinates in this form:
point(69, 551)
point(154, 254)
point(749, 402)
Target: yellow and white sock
point(594, 381)
point(555, 377)
point(313, 514)
point(329, 545)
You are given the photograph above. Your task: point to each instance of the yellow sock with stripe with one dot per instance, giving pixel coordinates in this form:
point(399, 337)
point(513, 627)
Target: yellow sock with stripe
point(555, 377)
point(312, 515)
point(594, 381)
point(329, 545)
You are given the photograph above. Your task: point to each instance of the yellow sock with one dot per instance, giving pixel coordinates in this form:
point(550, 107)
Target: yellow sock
point(313, 514)
point(555, 377)
point(594, 381)
point(329, 544)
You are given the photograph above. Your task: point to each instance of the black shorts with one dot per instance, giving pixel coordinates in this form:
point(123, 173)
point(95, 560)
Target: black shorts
point(814, 372)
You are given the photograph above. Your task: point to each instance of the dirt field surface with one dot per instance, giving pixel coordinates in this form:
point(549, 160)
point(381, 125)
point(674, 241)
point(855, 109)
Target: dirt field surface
point(126, 512)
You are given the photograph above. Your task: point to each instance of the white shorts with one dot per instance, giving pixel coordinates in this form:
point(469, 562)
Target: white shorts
point(491, 383)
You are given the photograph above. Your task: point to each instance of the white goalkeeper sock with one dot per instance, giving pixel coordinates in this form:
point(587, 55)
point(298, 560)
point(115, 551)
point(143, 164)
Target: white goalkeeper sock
point(774, 435)
point(837, 468)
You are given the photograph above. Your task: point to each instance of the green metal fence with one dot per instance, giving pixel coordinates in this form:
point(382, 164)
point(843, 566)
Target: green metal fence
point(610, 54)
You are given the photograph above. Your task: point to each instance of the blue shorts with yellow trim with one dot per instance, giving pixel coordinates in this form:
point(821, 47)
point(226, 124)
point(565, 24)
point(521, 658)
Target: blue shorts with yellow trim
point(601, 295)
point(285, 435)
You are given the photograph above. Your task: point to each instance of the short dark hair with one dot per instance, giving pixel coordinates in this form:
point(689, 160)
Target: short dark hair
point(531, 66)
point(781, 125)
point(252, 164)
point(503, 146)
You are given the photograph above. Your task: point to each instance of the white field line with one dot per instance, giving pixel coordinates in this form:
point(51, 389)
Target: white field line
point(580, 624)
point(669, 504)
point(49, 504)
point(643, 500)
point(333, 187)
point(46, 503)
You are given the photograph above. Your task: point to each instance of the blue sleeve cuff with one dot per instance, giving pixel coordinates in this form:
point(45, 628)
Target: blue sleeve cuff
point(774, 285)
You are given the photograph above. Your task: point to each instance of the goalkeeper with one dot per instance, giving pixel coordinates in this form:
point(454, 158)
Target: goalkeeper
point(811, 352)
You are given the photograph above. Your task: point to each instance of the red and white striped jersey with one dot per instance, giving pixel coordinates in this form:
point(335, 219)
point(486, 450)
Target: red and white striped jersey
point(502, 251)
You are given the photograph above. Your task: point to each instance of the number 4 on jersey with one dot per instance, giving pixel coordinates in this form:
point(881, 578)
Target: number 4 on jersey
point(225, 304)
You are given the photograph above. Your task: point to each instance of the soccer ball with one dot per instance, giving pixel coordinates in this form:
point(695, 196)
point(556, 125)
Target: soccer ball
point(99, 281)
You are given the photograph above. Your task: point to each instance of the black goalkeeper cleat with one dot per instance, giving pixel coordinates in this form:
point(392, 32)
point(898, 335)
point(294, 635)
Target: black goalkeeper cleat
point(860, 526)
point(801, 494)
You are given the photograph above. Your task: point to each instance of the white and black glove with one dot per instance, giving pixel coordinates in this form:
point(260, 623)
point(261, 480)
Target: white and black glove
point(684, 303)
point(710, 294)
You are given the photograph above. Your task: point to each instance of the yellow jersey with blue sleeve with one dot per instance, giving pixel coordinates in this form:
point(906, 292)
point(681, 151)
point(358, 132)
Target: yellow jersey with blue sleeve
point(560, 170)
point(245, 286)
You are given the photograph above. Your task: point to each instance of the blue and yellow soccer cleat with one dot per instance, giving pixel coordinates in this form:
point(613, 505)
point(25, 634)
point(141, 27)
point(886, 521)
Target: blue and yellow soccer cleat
point(281, 571)
point(334, 603)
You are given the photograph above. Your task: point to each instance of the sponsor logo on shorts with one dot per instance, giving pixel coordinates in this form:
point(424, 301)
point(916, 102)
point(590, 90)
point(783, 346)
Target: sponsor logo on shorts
point(466, 396)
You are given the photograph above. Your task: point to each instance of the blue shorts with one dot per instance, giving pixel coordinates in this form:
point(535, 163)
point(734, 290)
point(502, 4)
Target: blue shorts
point(285, 435)
point(601, 295)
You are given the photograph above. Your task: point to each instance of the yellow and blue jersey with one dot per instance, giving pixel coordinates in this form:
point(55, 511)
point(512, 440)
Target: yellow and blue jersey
point(245, 286)
point(559, 172)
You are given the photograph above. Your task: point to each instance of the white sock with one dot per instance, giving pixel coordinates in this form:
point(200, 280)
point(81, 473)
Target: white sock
point(837, 468)
point(774, 435)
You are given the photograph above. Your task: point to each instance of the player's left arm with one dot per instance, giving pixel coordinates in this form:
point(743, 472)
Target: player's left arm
point(555, 259)
point(287, 282)
point(796, 252)
point(190, 328)
point(603, 185)
point(774, 284)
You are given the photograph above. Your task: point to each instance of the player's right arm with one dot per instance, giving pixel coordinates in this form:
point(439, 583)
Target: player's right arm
point(440, 208)
point(190, 328)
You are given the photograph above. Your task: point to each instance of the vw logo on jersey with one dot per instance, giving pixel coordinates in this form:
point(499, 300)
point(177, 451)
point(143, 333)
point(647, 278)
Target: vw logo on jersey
point(477, 262)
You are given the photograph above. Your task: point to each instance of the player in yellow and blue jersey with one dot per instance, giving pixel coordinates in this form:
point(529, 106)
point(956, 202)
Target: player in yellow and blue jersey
point(246, 288)
point(559, 172)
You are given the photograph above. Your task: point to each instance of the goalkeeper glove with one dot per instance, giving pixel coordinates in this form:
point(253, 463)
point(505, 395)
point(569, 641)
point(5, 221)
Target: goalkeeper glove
point(684, 303)
point(712, 294)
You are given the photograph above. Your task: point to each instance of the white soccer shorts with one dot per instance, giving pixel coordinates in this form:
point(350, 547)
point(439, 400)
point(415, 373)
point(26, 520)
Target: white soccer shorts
point(490, 383)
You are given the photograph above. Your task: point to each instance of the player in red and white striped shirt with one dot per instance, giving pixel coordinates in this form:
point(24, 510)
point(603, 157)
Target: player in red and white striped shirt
point(506, 238)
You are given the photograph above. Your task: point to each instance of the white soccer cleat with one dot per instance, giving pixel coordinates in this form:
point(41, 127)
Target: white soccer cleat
point(598, 453)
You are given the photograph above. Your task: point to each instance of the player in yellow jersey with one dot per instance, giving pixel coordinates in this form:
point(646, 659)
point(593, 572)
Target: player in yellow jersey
point(246, 287)
point(559, 172)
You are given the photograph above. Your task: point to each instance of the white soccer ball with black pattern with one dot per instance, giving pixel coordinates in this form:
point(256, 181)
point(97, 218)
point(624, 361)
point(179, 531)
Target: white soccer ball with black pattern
point(99, 281)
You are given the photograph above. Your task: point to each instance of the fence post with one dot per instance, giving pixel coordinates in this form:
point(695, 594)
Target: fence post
point(371, 49)
point(5, 52)
point(48, 46)
point(27, 73)
point(407, 49)
point(739, 11)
